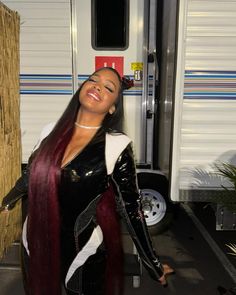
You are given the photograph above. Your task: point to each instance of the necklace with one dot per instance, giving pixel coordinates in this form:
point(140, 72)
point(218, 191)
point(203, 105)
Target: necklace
point(87, 127)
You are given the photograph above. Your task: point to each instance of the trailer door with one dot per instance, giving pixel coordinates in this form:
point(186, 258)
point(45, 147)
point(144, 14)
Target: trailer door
point(112, 33)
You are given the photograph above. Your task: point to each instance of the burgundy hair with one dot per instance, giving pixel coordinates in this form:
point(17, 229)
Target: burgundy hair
point(108, 220)
point(44, 219)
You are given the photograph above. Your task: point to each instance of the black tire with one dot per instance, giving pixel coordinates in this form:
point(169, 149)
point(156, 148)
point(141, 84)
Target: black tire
point(158, 210)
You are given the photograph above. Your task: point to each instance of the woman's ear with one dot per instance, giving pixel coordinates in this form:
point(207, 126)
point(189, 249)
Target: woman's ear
point(112, 109)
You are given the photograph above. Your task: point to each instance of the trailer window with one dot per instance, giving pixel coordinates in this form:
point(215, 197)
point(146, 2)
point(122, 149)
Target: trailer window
point(110, 24)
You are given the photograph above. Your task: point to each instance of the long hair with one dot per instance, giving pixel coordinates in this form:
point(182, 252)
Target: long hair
point(107, 218)
point(44, 219)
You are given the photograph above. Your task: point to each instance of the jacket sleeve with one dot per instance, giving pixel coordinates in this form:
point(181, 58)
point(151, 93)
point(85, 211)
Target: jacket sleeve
point(129, 200)
point(17, 192)
point(20, 188)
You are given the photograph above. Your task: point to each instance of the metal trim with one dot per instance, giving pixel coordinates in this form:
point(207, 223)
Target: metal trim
point(74, 45)
point(143, 131)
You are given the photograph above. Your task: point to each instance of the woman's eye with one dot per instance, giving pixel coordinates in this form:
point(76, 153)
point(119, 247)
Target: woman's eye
point(94, 80)
point(109, 89)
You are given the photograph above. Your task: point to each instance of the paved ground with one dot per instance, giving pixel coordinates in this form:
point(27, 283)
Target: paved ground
point(206, 215)
point(198, 270)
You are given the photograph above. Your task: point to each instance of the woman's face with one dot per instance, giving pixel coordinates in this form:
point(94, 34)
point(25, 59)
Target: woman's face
point(99, 93)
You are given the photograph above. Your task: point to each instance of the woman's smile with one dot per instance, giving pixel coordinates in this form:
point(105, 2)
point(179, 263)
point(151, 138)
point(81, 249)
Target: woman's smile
point(92, 93)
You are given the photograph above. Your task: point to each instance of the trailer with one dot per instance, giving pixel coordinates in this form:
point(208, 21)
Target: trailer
point(180, 113)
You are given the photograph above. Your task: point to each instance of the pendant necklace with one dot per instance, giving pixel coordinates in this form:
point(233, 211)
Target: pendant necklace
point(87, 127)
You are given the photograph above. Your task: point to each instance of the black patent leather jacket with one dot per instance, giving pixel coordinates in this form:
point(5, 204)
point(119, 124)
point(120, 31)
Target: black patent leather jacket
point(130, 208)
point(128, 203)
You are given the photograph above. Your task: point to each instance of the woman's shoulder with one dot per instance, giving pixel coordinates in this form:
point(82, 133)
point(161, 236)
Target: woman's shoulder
point(115, 144)
point(46, 130)
point(117, 138)
point(44, 133)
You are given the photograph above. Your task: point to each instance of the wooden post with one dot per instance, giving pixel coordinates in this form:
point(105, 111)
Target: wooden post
point(10, 143)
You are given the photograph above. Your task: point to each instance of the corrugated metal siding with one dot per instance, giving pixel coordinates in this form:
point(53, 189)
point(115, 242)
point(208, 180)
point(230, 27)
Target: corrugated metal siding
point(208, 132)
point(211, 35)
point(46, 65)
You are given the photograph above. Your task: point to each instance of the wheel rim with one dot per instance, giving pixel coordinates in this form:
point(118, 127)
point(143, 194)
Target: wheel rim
point(154, 206)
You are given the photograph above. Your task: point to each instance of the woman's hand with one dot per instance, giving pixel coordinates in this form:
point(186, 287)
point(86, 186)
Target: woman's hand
point(167, 271)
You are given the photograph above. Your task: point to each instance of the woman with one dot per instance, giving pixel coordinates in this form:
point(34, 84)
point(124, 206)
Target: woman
point(72, 231)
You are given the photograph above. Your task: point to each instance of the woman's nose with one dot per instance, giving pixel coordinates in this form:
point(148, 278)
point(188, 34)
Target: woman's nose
point(97, 87)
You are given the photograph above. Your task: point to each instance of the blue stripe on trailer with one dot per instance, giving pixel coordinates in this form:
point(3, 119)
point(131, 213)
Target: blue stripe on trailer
point(210, 85)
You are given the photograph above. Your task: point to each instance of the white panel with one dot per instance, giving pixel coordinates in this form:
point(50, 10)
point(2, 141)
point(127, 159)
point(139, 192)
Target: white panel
point(208, 129)
point(209, 125)
point(177, 107)
point(44, 37)
point(211, 53)
point(211, 35)
point(45, 62)
point(208, 135)
point(44, 8)
point(38, 111)
point(30, 1)
point(204, 126)
point(45, 48)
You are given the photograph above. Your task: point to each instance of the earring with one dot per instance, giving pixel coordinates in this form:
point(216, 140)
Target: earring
point(112, 110)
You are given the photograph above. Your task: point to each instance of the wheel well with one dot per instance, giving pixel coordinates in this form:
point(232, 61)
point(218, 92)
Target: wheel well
point(153, 181)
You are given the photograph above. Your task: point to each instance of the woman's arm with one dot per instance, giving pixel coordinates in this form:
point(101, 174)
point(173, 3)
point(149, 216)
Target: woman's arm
point(21, 186)
point(125, 180)
point(17, 192)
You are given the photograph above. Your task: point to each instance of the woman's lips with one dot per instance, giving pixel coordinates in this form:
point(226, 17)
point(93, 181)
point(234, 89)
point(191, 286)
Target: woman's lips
point(94, 95)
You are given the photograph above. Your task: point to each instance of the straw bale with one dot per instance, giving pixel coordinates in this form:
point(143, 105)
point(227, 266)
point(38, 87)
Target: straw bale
point(10, 142)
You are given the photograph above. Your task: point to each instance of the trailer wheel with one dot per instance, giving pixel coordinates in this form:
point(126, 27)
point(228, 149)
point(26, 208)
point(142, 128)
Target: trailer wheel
point(157, 208)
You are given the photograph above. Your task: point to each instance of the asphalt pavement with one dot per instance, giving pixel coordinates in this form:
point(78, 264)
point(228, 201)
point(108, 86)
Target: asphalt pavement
point(199, 270)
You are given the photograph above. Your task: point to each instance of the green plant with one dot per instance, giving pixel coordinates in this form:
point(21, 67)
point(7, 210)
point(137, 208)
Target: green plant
point(233, 248)
point(228, 171)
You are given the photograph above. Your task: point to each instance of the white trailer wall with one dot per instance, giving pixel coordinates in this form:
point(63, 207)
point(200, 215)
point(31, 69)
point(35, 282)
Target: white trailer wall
point(57, 55)
point(46, 64)
point(205, 98)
